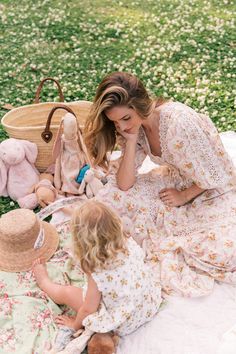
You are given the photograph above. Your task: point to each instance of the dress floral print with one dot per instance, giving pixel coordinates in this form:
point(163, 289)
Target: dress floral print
point(196, 243)
point(131, 295)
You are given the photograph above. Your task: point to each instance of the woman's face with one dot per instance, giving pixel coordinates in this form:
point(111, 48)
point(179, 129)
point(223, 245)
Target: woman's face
point(125, 119)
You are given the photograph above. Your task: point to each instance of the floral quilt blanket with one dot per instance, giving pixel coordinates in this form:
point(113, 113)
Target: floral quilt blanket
point(26, 313)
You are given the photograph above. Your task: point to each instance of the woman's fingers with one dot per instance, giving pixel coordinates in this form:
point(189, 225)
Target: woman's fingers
point(128, 136)
point(163, 193)
point(165, 197)
point(163, 190)
point(167, 201)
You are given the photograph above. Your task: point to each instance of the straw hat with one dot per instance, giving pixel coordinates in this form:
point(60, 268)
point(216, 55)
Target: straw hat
point(24, 238)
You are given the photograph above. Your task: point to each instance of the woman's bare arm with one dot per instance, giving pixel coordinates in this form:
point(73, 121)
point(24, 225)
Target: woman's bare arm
point(126, 173)
point(125, 176)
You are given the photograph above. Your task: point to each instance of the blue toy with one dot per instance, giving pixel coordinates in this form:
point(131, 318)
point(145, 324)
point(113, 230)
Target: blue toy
point(82, 172)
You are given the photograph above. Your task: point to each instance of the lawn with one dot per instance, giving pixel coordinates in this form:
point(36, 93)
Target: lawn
point(180, 49)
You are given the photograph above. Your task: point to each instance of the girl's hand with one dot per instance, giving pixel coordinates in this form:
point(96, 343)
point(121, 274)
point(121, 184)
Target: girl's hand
point(172, 197)
point(65, 321)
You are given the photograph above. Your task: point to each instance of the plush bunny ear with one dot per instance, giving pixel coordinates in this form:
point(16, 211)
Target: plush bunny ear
point(3, 179)
point(57, 143)
point(31, 150)
point(82, 187)
point(82, 146)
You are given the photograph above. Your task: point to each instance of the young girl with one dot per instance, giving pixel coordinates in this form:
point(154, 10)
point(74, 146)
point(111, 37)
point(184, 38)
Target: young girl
point(121, 292)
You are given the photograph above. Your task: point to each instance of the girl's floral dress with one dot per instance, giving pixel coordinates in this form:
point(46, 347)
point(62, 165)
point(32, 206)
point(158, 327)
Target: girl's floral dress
point(131, 294)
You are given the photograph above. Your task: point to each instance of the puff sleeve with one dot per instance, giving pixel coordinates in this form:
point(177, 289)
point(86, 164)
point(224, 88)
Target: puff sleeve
point(197, 151)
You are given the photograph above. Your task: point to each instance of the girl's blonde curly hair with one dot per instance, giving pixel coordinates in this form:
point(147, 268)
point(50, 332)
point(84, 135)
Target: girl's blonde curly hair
point(97, 235)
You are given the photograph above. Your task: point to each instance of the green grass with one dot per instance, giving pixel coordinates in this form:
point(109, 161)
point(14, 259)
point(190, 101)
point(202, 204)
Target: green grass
point(182, 49)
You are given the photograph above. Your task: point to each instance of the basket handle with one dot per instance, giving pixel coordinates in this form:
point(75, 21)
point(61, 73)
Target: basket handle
point(47, 134)
point(37, 95)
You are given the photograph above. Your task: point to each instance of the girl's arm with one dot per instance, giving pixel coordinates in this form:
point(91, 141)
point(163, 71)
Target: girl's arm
point(89, 306)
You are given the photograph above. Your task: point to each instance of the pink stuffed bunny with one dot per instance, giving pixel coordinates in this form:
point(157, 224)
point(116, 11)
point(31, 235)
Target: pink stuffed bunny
point(17, 172)
point(70, 155)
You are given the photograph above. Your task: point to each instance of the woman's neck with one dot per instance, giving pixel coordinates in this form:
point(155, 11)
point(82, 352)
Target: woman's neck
point(152, 121)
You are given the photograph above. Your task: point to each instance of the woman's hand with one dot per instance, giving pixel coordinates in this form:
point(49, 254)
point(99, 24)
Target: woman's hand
point(129, 137)
point(172, 197)
point(66, 321)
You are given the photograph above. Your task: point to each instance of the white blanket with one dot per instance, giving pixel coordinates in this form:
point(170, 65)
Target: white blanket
point(190, 326)
point(186, 325)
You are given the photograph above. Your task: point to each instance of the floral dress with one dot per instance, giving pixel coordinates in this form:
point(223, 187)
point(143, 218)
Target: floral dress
point(131, 295)
point(196, 243)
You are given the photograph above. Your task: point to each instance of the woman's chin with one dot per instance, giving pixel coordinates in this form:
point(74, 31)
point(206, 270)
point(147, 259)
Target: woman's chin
point(131, 131)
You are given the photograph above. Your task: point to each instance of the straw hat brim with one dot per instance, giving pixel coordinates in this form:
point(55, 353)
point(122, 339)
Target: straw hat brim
point(22, 261)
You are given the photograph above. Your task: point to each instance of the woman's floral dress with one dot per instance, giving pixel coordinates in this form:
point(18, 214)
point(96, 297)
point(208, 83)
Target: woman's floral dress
point(195, 244)
point(131, 295)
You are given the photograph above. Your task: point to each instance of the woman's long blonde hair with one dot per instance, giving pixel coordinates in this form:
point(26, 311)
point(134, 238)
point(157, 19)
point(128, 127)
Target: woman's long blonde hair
point(116, 89)
point(97, 235)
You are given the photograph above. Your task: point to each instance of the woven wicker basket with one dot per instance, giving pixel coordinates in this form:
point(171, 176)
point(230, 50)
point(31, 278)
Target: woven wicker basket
point(31, 123)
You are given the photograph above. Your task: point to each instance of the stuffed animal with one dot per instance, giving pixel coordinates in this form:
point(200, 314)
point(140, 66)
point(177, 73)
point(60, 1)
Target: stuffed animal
point(68, 342)
point(45, 192)
point(70, 155)
point(103, 343)
point(90, 184)
point(17, 170)
point(42, 193)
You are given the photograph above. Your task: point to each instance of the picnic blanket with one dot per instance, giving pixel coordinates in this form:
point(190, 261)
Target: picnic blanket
point(26, 313)
point(183, 325)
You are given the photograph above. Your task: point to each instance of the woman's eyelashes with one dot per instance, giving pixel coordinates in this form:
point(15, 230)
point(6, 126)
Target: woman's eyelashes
point(128, 118)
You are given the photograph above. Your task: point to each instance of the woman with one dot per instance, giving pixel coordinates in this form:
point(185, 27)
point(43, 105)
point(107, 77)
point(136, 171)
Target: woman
point(188, 215)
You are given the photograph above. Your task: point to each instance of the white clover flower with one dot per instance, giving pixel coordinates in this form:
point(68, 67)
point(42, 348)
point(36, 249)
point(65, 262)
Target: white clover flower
point(215, 113)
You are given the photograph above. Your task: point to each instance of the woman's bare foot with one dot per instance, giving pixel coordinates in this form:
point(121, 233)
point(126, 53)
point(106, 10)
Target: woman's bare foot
point(40, 273)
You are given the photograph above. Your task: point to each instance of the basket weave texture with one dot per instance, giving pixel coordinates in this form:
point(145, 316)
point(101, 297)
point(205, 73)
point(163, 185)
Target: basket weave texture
point(29, 122)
